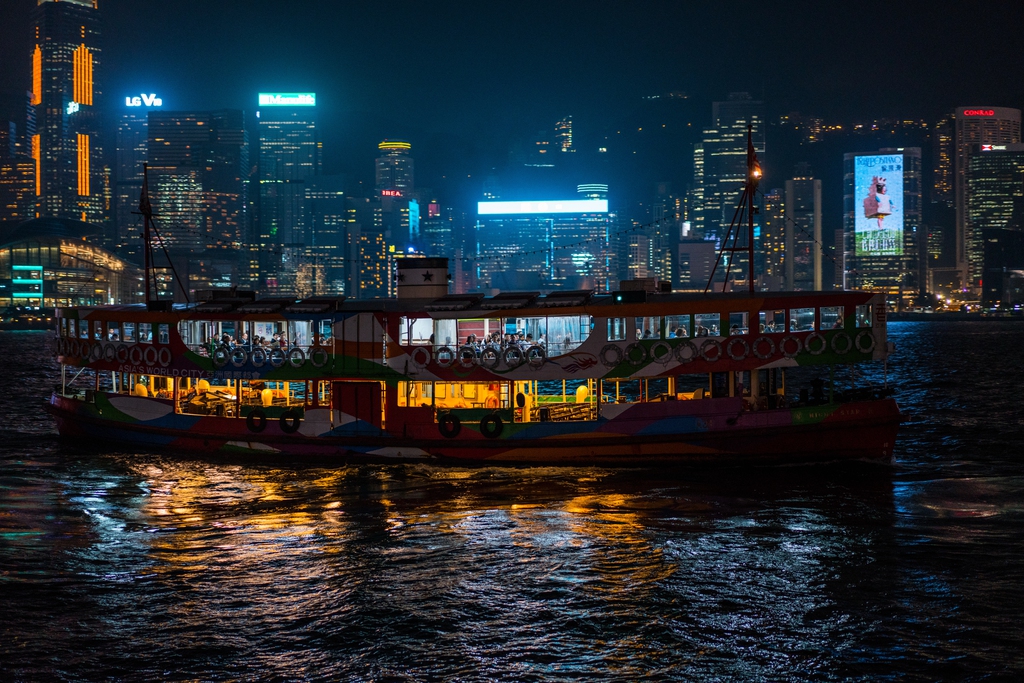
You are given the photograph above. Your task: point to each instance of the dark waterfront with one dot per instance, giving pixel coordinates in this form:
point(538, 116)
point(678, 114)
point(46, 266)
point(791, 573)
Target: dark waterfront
point(131, 566)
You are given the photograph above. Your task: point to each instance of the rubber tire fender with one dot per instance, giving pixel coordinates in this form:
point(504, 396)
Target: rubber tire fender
point(251, 421)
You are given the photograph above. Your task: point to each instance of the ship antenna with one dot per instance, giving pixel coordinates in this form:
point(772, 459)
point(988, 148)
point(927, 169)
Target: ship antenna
point(745, 204)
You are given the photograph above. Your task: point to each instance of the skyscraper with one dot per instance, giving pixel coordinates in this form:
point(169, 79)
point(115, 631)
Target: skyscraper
point(395, 169)
point(771, 274)
point(289, 156)
point(563, 135)
point(802, 230)
point(65, 94)
point(131, 144)
point(882, 222)
point(976, 126)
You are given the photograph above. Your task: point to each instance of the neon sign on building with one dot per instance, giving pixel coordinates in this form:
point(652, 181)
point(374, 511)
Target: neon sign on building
point(979, 112)
point(287, 99)
point(144, 100)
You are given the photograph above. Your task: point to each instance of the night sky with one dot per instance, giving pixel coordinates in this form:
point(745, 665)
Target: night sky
point(476, 75)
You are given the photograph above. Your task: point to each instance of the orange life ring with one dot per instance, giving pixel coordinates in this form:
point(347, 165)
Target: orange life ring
point(491, 402)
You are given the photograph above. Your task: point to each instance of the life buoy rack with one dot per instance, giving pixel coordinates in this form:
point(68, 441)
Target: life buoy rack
point(686, 357)
point(122, 353)
point(318, 357)
point(109, 352)
point(449, 426)
point(150, 355)
point(615, 351)
point(259, 357)
point(661, 358)
point(290, 421)
point(489, 358)
point(277, 357)
point(296, 357)
point(467, 356)
point(444, 357)
point(758, 343)
point(795, 351)
point(864, 334)
point(256, 420)
point(731, 343)
point(239, 356)
point(711, 344)
point(491, 426)
point(632, 358)
point(815, 336)
point(135, 354)
point(221, 356)
point(514, 357)
point(164, 357)
point(842, 343)
point(420, 356)
point(535, 356)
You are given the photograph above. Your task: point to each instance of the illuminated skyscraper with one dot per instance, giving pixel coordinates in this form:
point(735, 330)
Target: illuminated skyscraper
point(395, 169)
point(65, 94)
point(771, 271)
point(994, 194)
point(803, 234)
point(943, 155)
point(289, 156)
point(132, 140)
point(563, 135)
point(977, 126)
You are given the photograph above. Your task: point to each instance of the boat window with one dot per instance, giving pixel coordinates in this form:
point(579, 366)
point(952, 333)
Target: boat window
point(72, 328)
point(707, 324)
point(831, 317)
point(534, 330)
point(300, 332)
point(97, 330)
point(415, 331)
point(617, 329)
point(445, 333)
point(470, 331)
point(677, 326)
point(772, 322)
point(413, 394)
point(648, 327)
point(164, 333)
point(324, 331)
point(113, 332)
point(567, 332)
point(470, 395)
point(801, 319)
point(128, 332)
point(864, 315)
point(83, 329)
point(266, 331)
point(571, 400)
point(738, 323)
point(146, 333)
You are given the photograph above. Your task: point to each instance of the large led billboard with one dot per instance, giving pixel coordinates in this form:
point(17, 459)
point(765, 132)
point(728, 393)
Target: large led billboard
point(287, 99)
point(878, 205)
point(545, 208)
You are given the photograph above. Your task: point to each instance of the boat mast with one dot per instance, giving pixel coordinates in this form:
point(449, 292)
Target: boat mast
point(146, 209)
point(746, 204)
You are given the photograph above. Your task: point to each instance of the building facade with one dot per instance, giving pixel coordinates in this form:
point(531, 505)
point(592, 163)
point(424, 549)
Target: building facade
point(802, 230)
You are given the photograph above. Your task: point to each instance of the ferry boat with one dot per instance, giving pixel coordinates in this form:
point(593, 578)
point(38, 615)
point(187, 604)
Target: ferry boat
point(639, 375)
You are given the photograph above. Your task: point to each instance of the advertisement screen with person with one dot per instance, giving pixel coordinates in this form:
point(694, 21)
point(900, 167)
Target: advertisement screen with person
point(878, 205)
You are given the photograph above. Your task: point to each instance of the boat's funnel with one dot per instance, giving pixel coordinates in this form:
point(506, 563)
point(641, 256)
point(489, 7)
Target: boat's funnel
point(422, 278)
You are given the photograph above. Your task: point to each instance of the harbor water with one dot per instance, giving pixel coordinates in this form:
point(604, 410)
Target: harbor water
point(118, 565)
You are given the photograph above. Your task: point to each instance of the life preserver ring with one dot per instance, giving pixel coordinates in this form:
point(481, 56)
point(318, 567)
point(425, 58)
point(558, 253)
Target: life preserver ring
point(58, 346)
point(615, 351)
point(135, 355)
point(150, 355)
point(290, 421)
point(634, 359)
point(256, 420)
point(277, 357)
point(449, 426)
point(491, 402)
point(731, 343)
point(296, 357)
point(122, 353)
point(239, 356)
point(814, 336)
point(757, 345)
point(535, 356)
point(220, 356)
point(318, 356)
point(491, 426)
point(864, 334)
point(711, 344)
point(164, 357)
point(661, 358)
point(513, 357)
point(467, 356)
point(420, 356)
point(489, 358)
point(109, 352)
point(444, 357)
point(96, 352)
point(259, 357)
point(685, 358)
point(786, 340)
point(847, 343)
point(73, 348)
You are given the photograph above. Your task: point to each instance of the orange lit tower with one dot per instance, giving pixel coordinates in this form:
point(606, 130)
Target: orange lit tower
point(65, 93)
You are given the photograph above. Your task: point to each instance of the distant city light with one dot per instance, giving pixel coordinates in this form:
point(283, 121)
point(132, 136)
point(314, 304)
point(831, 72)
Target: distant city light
point(287, 99)
point(543, 207)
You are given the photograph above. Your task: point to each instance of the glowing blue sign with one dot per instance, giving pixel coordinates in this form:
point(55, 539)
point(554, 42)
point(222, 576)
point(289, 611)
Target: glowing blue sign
point(545, 208)
point(287, 99)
